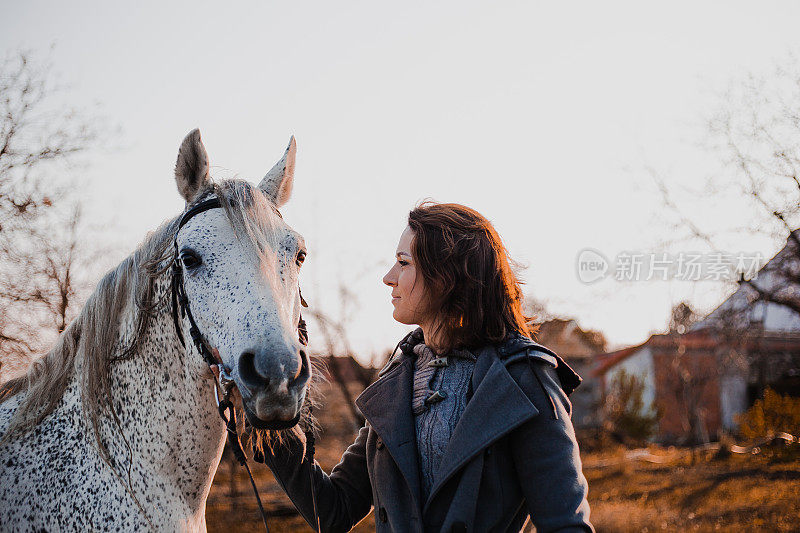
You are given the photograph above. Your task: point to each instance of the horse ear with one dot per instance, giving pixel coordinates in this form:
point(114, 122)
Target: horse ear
point(191, 168)
point(277, 184)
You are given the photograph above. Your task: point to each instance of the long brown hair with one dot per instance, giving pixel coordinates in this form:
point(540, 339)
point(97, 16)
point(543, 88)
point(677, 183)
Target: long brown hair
point(468, 273)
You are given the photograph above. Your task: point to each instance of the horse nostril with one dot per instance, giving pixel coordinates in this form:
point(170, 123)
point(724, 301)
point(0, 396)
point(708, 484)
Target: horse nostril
point(303, 373)
point(248, 372)
point(300, 368)
point(263, 371)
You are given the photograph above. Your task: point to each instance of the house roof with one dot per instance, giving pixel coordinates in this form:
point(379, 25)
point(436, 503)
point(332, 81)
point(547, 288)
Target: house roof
point(700, 340)
point(780, 326)
point(607, 360)
point(568, 339)
point(739, 308)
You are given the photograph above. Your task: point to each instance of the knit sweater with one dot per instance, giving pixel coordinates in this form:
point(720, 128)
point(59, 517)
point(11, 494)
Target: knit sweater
point(440, 395)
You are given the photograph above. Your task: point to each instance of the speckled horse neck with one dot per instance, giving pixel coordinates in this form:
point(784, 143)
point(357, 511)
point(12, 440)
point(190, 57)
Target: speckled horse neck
point(116, 429)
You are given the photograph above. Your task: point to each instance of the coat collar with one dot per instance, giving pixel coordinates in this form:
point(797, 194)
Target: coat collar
point(495, 393)
point(386, 404)
point(406, 349)
point(517, 346)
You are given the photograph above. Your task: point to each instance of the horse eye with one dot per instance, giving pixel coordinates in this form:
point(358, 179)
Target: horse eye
point(190, 259)
point(301, 256)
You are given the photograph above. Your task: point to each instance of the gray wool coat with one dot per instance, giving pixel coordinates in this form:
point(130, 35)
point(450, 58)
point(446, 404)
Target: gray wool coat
point(513, 453)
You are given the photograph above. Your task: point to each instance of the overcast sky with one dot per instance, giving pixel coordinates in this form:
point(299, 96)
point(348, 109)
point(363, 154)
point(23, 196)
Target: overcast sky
point(544, 117)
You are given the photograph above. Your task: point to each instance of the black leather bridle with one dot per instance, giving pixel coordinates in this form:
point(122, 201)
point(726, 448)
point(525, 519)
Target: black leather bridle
point(181, 301)
point(225, 381)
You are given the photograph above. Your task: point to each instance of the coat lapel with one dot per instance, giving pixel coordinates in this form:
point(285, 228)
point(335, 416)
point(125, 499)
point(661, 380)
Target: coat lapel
point(386, 404)
point(478, 427)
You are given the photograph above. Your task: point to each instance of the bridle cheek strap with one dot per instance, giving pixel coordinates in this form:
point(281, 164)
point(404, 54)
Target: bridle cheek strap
point(180, 300)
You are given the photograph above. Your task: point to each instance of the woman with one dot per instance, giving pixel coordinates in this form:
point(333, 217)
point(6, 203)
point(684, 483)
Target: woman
point(468, 425)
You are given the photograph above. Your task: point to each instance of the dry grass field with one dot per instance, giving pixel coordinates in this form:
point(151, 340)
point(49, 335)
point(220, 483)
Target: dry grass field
point(645, 490)
point(678, 490)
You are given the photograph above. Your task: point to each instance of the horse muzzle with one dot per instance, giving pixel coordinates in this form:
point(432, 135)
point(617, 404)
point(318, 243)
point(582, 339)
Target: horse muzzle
point(272, 397)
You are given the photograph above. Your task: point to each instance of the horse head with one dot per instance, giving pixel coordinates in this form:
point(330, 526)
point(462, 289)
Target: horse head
point(240, 265)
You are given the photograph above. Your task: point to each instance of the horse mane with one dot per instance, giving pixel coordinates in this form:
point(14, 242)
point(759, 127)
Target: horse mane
point(97, 333)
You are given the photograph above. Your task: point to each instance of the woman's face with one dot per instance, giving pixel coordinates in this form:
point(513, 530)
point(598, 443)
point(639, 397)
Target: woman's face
point(409, 296)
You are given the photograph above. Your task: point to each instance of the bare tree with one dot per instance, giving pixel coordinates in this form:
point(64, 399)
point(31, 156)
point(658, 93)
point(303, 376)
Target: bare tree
point(335, 335)
point(688, 381)
point(755, 132)
point(682, 317)
point(339, 350)
point(685, 374)
point(63, 257)
point(40, 140)
point(537, 309)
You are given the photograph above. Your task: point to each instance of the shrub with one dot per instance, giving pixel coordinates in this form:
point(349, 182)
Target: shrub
point(773, 414)
point(625, 412)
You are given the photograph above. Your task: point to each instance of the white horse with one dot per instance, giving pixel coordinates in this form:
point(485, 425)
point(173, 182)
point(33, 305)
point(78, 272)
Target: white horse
point(116, 428)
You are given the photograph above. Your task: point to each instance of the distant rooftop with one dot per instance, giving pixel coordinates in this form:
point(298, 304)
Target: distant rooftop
point(740, 308)
point(569, 340)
